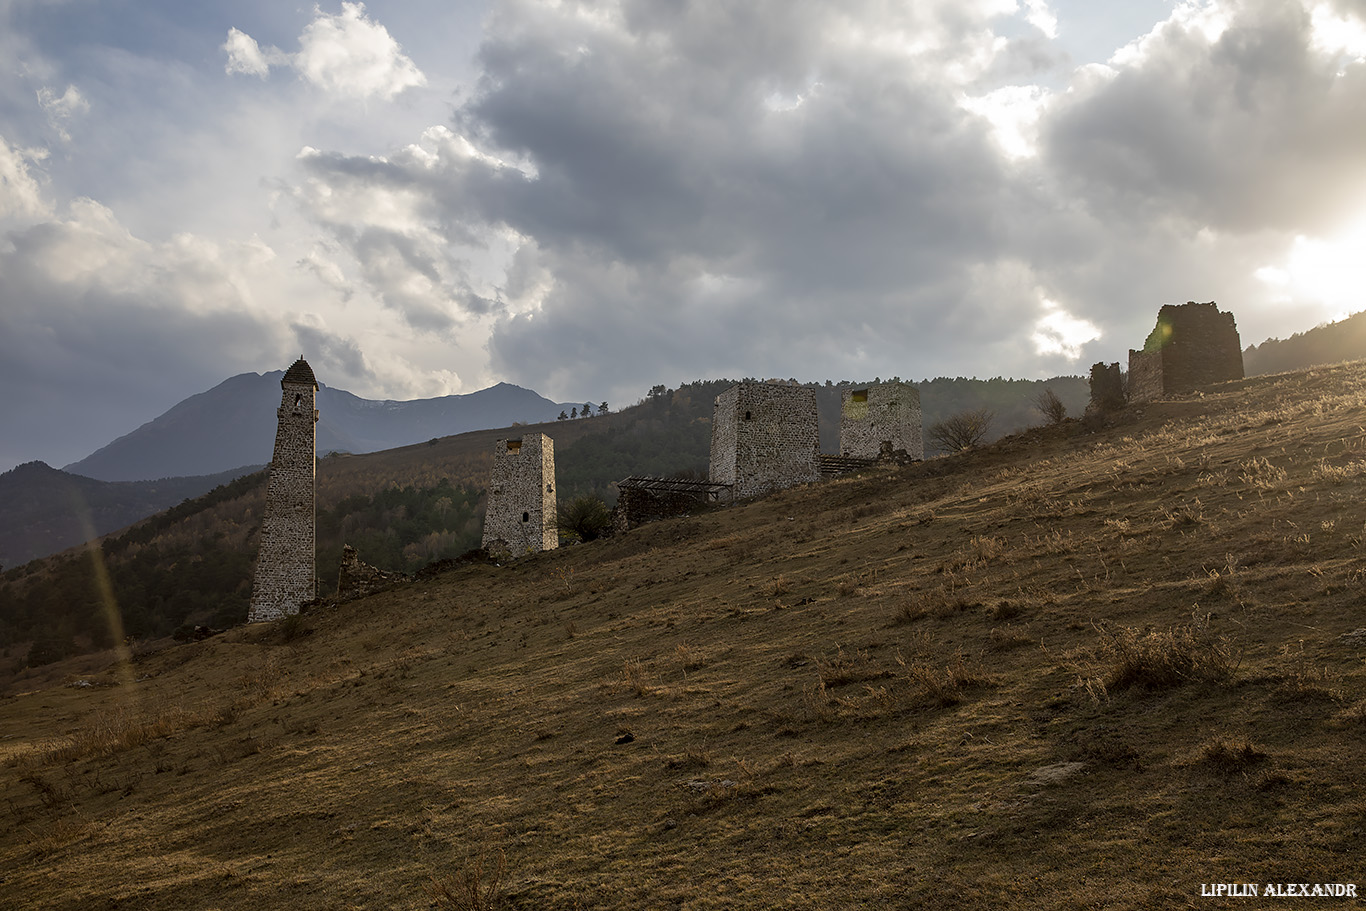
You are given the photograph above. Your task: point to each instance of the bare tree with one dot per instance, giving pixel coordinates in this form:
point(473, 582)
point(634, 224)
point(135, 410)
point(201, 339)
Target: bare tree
point(961, 431)
point(1050, 406)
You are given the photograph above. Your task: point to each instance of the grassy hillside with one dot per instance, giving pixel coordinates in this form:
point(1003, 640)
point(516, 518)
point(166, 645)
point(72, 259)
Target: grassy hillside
point(1069, 670)
point(401, 508)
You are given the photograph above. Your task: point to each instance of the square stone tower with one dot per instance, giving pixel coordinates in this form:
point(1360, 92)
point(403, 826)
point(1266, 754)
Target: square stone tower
point(883, 413)
point(284, 568)
point(521, 514)
point(764, 437)
point(1191, 345)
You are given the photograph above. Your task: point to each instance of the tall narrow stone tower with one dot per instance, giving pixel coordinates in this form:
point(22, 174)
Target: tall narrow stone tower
point(284, 568)
point(521, 514)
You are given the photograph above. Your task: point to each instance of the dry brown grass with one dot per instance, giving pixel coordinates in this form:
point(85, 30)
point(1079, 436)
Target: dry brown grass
point(1066, 670)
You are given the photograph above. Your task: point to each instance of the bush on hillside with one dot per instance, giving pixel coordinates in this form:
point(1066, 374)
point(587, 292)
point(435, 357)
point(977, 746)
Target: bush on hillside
point(961, 431)
point(584, 518)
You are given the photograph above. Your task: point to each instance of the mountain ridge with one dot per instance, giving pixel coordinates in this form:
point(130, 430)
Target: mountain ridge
point(233, 424)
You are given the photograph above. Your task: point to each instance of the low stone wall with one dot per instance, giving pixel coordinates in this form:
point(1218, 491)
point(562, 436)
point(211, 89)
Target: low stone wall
point(356, 579)
point(636, 506)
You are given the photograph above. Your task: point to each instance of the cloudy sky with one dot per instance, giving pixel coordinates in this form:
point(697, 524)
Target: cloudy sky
point(588, 198)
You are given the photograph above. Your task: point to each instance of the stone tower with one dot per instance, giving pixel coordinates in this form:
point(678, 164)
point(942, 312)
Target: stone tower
point(883, 413)
point(521, 514)
point(1191, 345)
point(764, 437)
point(284, 568)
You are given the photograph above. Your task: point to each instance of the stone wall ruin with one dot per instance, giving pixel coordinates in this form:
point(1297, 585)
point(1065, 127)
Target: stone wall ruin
point(357, 579)
point(285, 570)
point(1107, 388)
point(1192, 345)
point(764, 437)
point(521, 514)
point(880, 418)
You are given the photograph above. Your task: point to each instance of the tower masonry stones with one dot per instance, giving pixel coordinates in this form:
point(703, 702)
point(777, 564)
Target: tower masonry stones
point(521, 514)
point(1191, 345)
point(1107, 388)
point(879, 417)
point(764, 437)
point(284, 568)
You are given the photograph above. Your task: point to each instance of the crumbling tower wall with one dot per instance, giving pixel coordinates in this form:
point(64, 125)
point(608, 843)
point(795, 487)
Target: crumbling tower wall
point(1192, 345)
point(285, 573)
point(521, 514)
point(884, 413)
point(1107, 388)
point(764, 437)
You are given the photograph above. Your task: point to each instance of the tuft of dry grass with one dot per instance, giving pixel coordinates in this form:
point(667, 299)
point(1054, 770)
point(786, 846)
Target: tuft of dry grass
point(1228, 758)
point(946, 685)
point(844, 668)
point(1157, 659)
point(635, 678)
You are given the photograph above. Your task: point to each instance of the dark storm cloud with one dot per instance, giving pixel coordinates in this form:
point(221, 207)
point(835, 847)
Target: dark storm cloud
point(677, 190)
point(730, 189)
point(101, 332)
point(329, 353)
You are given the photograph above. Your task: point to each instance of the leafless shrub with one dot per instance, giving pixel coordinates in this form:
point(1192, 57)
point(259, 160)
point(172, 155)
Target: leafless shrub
point(1050, 406)
point(961, 431)
point(477, 887)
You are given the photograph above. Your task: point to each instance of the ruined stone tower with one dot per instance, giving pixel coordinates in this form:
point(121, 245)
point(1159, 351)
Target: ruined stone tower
point(521, 513)
point(1191, 345)
point(764, 437)
point(284, 569)
point(883, 413)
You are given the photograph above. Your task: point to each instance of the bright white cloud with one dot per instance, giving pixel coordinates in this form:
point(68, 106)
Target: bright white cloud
point(1059, 332)
point(62, 108)
point(1338, 34)
point(1013, 112)
point(1041, 16)
point(354, 56)
point(1203, 20)
point(246, 56)
point(21, 196)
point(350, 55)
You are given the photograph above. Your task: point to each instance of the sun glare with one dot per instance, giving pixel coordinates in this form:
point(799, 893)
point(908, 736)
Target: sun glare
point(1059, 332)
point(1330, 272)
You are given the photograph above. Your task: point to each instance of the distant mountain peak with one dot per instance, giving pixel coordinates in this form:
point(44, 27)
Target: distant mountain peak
point(233, 424)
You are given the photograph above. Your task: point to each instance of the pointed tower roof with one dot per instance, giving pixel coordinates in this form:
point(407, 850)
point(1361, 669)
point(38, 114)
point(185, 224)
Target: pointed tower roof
point(299, 374)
